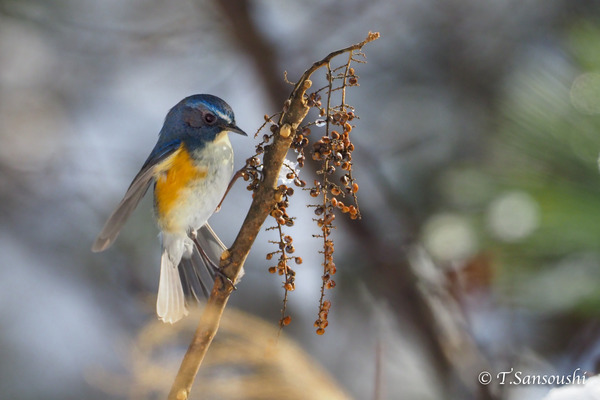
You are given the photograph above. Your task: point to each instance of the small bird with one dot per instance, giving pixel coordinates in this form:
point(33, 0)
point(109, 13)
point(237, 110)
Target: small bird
point(190, 166)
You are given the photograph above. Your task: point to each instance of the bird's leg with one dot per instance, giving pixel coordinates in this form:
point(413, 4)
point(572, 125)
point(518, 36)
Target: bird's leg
point(215, 268)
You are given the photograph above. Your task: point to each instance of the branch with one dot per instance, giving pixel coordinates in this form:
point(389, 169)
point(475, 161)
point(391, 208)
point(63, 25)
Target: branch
point(265, 198)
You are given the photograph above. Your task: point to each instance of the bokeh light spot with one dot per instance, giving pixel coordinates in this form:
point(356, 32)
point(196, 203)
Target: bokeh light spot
point(585, 93)
point(513, 216)
point(449, 237)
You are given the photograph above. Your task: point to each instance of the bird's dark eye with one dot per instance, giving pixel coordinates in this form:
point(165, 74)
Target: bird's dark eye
point(210, 118)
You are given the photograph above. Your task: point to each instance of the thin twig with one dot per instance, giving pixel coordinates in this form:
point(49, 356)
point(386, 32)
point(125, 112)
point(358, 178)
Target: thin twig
point(263, 202)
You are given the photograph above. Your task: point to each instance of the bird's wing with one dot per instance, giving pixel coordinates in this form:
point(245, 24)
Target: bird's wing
point(134, 194)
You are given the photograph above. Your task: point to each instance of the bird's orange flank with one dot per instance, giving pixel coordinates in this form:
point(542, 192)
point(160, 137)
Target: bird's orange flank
point(173, 175)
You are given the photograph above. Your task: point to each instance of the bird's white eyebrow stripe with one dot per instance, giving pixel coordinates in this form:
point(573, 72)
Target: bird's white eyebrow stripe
point(220, 114)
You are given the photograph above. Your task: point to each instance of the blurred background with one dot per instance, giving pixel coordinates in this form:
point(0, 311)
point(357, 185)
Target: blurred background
point(476, 155)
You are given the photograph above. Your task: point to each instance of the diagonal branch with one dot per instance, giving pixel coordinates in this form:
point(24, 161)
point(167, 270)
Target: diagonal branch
point(265, 198)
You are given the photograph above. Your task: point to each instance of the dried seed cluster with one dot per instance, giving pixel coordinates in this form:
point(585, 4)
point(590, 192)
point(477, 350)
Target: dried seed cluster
point(335, 153)
point(352, 77)
point(285, 245)
point(322, 322)
point(299, 143)
point(252, 172)
point(335, 186)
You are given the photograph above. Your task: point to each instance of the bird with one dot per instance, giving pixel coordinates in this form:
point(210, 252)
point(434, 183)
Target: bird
point(190, 166)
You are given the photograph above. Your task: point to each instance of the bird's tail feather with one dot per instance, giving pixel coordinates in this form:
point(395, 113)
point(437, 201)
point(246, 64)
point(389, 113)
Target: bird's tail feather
point(197, 270)
point(194, 274)
point(213, 248)
point(210, 242)
point(170, 303)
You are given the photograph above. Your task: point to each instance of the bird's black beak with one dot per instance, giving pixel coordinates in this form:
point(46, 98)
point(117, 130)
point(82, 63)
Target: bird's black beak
point(236, 129)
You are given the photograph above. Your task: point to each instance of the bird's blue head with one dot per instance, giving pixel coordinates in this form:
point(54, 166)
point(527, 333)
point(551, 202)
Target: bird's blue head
point(198, 119)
